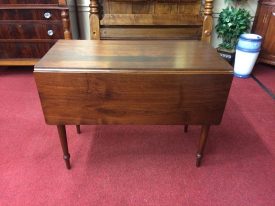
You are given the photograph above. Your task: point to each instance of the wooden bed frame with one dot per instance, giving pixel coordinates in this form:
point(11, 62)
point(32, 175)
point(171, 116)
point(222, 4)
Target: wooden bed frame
point(151, 19)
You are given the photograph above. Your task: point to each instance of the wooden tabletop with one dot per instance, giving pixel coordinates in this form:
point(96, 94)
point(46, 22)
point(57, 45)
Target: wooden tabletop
point(136, 56)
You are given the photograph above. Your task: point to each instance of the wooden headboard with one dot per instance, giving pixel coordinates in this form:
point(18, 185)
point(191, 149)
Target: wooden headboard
point(151, 19)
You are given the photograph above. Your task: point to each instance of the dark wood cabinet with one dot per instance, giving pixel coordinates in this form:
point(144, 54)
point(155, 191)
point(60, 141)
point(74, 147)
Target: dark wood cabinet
point(29, 51)
point(29, 28)
point(29, 1)
point(264, 25)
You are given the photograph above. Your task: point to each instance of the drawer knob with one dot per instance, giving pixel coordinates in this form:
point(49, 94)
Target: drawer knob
point(50, 32)
point(273, 13)
point(47, 15)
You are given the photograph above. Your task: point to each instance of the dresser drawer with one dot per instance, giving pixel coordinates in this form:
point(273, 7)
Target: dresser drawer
point(29, 1)
point(30, 14)
point(31, 30)
point(24, 49)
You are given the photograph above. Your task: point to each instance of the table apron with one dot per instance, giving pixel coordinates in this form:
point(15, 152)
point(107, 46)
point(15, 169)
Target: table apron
point(130, 98)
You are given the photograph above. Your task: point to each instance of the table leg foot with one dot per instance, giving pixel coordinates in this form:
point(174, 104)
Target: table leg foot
point(64, 144)
point(202, 143)
point(67, 161)
point(186, 128)
point(198, 160)
point(78, 129)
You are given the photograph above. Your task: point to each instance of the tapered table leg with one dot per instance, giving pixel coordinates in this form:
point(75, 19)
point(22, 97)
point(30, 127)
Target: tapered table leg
point(186, 128)
point(63, 140)
point(202, 142)
point(78, 129)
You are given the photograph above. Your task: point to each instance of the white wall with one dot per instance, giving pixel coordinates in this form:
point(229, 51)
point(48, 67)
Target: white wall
point(83, 18)
point(83, 14)
point(73, 19)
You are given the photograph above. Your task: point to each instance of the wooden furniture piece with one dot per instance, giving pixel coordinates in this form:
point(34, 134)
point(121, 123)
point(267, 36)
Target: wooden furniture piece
point(151, 19)
point(28, 29)
point(264, 25)
point(133, 82)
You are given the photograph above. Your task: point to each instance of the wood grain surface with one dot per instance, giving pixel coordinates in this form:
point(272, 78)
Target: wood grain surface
point(28, 29)
point(264, 25)
point(134, 19)
point(29, 2)
point(113, 56)
point(132, 98)
point(22, 49)
point(133, 82)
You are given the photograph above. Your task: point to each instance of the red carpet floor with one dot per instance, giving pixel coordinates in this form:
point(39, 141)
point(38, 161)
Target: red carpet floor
point(136, 165)
point(266, 75)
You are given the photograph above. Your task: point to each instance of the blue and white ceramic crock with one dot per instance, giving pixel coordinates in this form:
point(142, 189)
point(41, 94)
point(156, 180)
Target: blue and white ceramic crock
point(247, 51)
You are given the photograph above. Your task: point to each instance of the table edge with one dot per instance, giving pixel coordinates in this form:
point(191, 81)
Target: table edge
point(149, 71)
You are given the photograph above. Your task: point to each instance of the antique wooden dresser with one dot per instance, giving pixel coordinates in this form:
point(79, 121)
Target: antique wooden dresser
point(28, 29)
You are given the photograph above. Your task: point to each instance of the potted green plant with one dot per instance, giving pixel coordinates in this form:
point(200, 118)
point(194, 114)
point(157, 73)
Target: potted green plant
point(232, 22)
